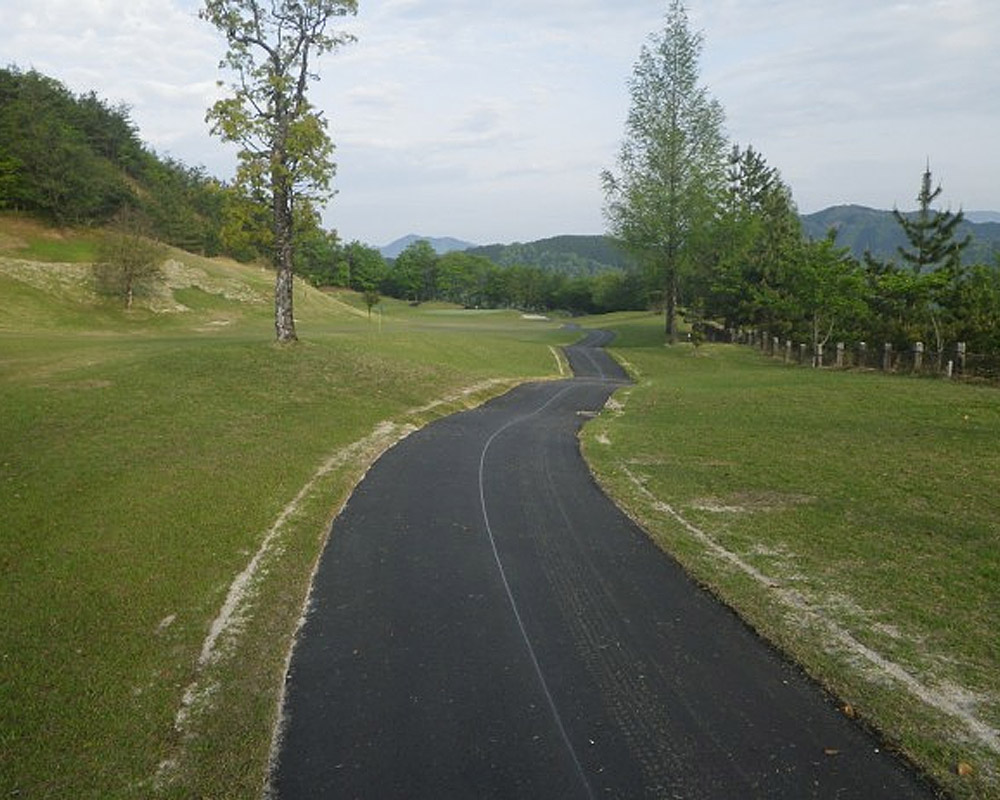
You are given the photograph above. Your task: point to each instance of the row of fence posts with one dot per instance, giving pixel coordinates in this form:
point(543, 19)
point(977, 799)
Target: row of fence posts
point(888, 361)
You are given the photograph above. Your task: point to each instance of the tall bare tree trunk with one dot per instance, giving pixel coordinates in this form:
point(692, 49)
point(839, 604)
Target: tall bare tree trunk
point(284, 318)
point(671, 306)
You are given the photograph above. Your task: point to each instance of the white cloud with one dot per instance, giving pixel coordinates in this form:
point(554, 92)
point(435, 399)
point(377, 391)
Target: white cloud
point(849, 100)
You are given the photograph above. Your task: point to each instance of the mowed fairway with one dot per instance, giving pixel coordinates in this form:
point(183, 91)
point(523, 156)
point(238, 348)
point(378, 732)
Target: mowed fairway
point(852, 518)
point(145, 459)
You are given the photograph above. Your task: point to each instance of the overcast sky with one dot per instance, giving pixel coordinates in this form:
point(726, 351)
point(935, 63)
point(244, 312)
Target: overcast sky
point(491, 120)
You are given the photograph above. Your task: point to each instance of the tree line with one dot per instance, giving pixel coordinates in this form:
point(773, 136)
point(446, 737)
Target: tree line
point(419, 274)
point(758, 271)
point(720, 239)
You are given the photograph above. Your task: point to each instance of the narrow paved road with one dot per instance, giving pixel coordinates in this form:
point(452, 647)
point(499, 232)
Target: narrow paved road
point(486, 624)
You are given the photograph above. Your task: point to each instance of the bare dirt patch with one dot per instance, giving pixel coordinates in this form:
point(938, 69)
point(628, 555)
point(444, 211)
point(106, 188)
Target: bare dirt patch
point(63, 280)
point(10, 243)
point(750, 502)
point(185, 276)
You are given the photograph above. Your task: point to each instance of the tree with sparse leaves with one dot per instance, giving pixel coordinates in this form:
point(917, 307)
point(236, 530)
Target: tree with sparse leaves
point(128, 259)
point(286, 153)
point(672, 161)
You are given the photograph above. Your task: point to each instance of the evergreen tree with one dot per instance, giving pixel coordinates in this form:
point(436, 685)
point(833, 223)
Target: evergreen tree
point(931, 234)
point(935, 257)
point(757, 237)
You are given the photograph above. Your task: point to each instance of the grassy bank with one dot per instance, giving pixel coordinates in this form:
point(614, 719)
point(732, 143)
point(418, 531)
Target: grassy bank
point(851, 518)
point(144, 460)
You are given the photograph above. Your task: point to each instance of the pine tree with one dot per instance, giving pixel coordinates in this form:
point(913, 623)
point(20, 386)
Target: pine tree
point(935, 257)
point(931, 233)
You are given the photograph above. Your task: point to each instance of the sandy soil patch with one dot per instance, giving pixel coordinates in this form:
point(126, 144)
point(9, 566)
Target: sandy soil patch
point(750, 502)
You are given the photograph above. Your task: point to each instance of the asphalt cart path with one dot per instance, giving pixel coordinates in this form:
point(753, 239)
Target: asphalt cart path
point(485, 623)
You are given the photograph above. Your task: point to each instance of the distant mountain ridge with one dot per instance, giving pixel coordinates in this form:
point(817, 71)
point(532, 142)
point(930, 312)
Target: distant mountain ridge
point(441, 245)
point(858, 227)
point(982, 216)
point(572, 255)
point(868, 229)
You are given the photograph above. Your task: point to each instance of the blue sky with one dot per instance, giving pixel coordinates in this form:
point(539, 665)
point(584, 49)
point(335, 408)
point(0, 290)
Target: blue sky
point(491, 121)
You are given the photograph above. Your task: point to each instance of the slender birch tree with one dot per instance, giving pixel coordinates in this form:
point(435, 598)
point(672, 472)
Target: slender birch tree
point(672, 160)
point(285, 153)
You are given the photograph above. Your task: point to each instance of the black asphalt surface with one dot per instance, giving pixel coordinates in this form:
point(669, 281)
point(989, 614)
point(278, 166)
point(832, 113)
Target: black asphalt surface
point(485, 623)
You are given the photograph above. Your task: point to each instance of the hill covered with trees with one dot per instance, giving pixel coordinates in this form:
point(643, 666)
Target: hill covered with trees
point(573, 256)
point(862, 230)
point(441, 245)
point(79, 161)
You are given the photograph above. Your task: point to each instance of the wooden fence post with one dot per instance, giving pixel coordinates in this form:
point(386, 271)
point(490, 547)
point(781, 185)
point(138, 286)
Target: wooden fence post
point(862, 354)
point(802, 353)
point(788, 351)
point(918, 356)
point(961, 358)
point(887, 357)
point(840, 355)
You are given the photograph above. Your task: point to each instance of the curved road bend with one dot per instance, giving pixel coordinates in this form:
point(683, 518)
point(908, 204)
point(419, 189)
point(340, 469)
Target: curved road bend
point(485, 623)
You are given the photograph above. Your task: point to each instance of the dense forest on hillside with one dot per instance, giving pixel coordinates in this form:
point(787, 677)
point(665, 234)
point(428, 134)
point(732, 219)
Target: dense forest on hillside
point(79, 161)
point(862, 230)
point(474, 280)
point(573, 256)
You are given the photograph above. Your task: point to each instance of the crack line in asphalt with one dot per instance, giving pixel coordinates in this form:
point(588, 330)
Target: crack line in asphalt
point(510, 594)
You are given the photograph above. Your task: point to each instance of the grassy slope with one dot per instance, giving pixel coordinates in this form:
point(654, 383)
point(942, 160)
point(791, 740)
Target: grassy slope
point(143, 457)
point(871, 499)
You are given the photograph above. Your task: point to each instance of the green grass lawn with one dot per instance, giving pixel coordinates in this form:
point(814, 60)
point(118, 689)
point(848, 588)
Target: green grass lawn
point(144, 457)
point(850, 517)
